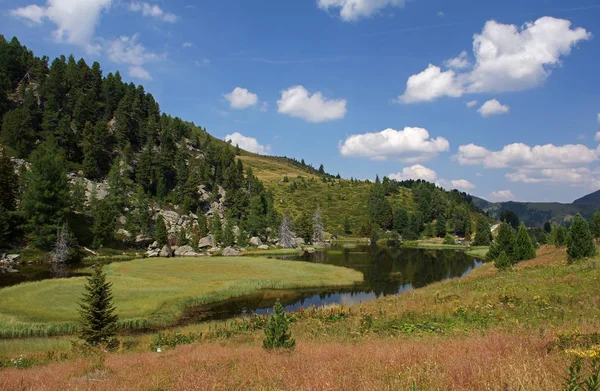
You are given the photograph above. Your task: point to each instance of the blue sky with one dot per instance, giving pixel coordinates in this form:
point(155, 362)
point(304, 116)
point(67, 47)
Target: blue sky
point(498, 98)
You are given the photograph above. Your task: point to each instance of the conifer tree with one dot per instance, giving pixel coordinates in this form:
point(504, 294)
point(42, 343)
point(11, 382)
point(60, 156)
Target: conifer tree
point(400, 220)
point(580, 243)
point(97, 311)
point(524, 248)
point(78, 195)
point(182, 239)
point(317, 226)
point(277, 335)
point(242, 238)
point(103, 227)
point(119, 185)
point(228, 234)
point(441, 226)
point(483, 236)
point(505, 241)
point(380, 209)
point(595, 225)
point(160, 231)
point(46, 200)
point(202, 224)
point(347, 226)
point(304, 227)
point(503, 261)
point(8, 182)
point(217, 229)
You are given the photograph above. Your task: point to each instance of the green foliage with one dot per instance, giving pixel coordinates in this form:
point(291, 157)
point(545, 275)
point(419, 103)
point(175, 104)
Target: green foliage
point(172, 340)
point(104, 217)
point(510, 217)
point(98, 318)
point(505, 242)
point(379, 207)
point(400, 220)
point(483, 235)
point(78, 195)
point(277, 335)
point(503, 261)
point(228, 234)
point(119, 185)
point(580, 243)
point(202, 224)
point(441, 226)
point(182, 239)
point(461, 220)
point(449, 239)
point(304, 228)
point(347, 226)
point(9, 182)
point(595, 225)
point(46, 199)
point(161, 234)
point(217, 229)
point(575, 379)
point(243, 238)
point(561, 236)
point(524, 248)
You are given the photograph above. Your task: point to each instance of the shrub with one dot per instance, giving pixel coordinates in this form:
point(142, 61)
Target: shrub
point(524, 248)
point(503, 261)
point(581, 242)
point(449, 239)
point(173, 340)
point(277, 335)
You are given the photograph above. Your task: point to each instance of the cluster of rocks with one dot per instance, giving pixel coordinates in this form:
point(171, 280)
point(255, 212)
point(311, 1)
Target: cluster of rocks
point(206, 247)
point(8, 262)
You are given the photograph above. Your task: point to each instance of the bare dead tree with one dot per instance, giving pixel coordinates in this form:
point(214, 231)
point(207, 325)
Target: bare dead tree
point(286, 236)
point(60, 254)
point(318, 226)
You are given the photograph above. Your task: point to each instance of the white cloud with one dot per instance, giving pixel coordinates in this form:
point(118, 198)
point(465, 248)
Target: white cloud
point(597, 138)
point(519, 155)
point(152, 10)
point(264, 107)
point(471, 103)
point(352, 10)
point(440, 14)
point(507, 58)
point(415, 172)
point(139, 72)
point(431, 84)
point(492, 107)
point(75, 20)
point(410, 145)
point(459, 62)
point(297, 102)
point(241, 98)
point(462, 184)
point(578, 176)
point(502, 195)
point(250, 144)
point(187, 44)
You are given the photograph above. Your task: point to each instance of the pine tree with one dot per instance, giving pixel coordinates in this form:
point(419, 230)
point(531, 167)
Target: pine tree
point(78, 197)
point(483, 236)
point(160, 231)
point(581, 242)
point(505, 242)
point(228, 234)
point(242, 238)
point(286, 237)
point(8, 182)
point(524, 248)
point(202, 224)
point(98, 318)
point(503, 261)
point(103, 228)
point(317, 226)
point(46, 200)
point(400, 220)
point(277, 335)
point(119, 185)
point(347, 226)
point(560, 236)
point(217, 229)
point(380, 209)
point(304, 227)
point(594, 225)
point(441, 226)
point(182, 239)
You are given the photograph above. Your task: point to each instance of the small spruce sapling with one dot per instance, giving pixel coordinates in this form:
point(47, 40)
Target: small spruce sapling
point(277, 335)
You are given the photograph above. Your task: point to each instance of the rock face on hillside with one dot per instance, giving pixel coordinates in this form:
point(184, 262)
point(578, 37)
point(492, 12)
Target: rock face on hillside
point(207, 242)
point(183, 250)
point(230, 252)
point(255, 241)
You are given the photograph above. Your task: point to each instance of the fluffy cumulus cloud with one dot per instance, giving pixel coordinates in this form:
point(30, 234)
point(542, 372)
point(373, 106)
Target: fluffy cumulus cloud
point(492, 107)
point(520, 155)
point(297, 102)
point(506, 58)
point(471, 103)
point(352, 10)
point(597, 138)
point(241, 98)
point(459, 62)
point(502, 195)
point(462, 184)
point(153, 11)
point(578, 176)
point(410, 145)
point(250, 144)
point(75, 20)
point(415, 172)
point(127, 50)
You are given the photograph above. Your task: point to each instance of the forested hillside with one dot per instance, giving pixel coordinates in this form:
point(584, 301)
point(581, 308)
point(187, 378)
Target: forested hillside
point(97, 154)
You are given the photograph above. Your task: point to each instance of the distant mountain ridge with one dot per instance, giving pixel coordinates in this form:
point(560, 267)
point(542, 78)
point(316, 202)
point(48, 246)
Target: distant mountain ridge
point(535, 214)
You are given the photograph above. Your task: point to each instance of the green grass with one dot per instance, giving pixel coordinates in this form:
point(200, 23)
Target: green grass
point(153, 292)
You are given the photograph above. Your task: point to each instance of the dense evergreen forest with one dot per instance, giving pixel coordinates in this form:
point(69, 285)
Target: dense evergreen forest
point(67, 129)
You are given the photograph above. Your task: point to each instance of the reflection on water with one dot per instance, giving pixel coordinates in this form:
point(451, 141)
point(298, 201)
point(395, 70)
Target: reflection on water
point(386, 270)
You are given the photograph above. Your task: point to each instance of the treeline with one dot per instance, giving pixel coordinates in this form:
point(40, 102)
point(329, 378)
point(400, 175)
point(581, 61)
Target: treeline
point(437, 211)
point(68, 117)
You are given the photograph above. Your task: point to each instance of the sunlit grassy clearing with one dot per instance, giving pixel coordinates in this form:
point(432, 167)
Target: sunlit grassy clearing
point(157, 289)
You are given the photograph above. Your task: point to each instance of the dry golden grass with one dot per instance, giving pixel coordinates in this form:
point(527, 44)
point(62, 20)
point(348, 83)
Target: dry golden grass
point(494, 362)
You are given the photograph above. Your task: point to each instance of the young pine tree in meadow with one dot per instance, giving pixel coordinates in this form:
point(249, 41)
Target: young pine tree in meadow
point(505, 241)
point(560, 236)
point(524, 248)
point(160, 231)
point(503, 261)
point(228, 234)
point(98, 318)
point(483, 236)
point(277, 335)
point(595, 225)
point(580, 243)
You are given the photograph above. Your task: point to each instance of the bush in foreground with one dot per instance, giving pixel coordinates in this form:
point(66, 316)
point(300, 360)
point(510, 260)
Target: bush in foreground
point(503, 261)
point(580, 243)
point(449, 239)
point(277, 335)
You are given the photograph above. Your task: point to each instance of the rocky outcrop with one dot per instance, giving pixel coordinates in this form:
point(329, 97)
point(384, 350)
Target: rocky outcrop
point(207, 242)
point(184, 250)
point(255, 241)
point(165, 252)
point(144, 240)
point(263, 247)
point(230, 252)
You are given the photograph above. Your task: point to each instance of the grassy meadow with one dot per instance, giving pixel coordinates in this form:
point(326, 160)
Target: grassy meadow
point(152, 292)
point(490, 330)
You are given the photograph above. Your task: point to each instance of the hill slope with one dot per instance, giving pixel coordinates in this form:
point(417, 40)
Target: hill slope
point(590, 199)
